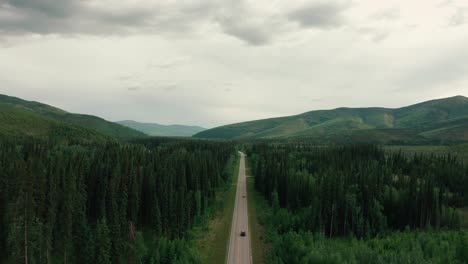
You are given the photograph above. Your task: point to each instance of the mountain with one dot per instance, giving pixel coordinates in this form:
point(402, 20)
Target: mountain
point(15, 109)
point(436, 120)
point(163, 130)
point(20, 122)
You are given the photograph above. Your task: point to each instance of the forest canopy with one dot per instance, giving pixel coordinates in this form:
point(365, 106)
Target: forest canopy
point(359, 204)
point(105, 203)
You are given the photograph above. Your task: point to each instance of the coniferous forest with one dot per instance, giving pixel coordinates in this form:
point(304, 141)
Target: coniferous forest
point(137, 201)
point(105, 203)
point(359, 204)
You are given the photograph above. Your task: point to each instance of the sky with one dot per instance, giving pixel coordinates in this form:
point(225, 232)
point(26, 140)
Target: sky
point(215, 62)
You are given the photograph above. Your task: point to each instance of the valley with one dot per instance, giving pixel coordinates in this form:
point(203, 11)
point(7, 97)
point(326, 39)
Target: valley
point(76, 188)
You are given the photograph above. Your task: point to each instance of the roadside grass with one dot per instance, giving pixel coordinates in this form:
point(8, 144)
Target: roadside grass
point(257, 246)
point(211, 240)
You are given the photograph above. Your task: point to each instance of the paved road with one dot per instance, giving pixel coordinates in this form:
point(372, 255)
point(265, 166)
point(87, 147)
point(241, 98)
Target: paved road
point(239, 247)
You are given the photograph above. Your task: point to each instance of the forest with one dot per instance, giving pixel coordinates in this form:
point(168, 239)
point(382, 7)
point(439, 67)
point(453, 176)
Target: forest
point(106, 202)
point(359, 204)
point(137, 201)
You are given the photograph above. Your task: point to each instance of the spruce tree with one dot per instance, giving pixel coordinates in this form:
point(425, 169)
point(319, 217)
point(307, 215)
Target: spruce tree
point(103, 243)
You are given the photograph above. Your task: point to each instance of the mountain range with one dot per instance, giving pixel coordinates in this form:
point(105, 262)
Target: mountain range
point(441, 121)
point(20, 117)
point(436, 121)
point(153, 129)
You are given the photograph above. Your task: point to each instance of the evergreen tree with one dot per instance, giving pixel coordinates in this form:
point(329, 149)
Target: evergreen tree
point(85, 244)
point(103, 243)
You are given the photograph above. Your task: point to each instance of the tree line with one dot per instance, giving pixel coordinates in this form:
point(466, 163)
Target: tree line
point(107, 202)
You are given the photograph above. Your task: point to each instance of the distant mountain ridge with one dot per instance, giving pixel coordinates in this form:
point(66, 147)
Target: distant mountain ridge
point(15, 109)
point(436, 120)
point(154, 129)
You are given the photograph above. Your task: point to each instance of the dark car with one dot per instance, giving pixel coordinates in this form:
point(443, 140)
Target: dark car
point(242, 233)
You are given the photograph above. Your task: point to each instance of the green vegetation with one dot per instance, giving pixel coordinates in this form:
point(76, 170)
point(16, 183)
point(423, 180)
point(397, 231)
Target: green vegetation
point(22, 123)
point(464, 212)
point(460, 150)
point(398, 247)
point(407, 247)
point(211, 239)
point(439, 121)
point(38, 113)
point(158, 130)
point(70, 192)
point(100, 125)
point(356, 204)
point(106, 203)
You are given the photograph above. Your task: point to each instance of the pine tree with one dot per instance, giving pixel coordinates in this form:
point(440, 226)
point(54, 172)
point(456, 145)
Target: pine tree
point(156, 217)
point(103, 243)
point(85, 244)
point(462, 248)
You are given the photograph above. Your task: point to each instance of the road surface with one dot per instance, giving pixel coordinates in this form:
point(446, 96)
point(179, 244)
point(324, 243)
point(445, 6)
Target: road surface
point(239, 246)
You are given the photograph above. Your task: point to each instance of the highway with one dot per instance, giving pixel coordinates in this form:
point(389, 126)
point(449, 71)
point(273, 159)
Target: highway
point(239, 246)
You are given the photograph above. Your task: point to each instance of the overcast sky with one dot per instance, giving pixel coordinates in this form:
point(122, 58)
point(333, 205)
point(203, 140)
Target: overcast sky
point(214, 62)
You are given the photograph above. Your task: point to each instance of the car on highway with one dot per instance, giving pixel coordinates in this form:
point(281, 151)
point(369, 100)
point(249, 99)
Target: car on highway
point(242, 233)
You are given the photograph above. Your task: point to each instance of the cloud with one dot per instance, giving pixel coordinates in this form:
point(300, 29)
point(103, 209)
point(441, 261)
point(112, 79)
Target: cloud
point(169, 64)
point(246, 20)
point(243, 20)
point(168, 87)
point(125, 77)
point(50, 8)
point(100, 17)
point(251, 33)
point(322, 15)
point(68, 17)
point(374, 34)
point(437, 71)
point(387, 14)
point(458, 18)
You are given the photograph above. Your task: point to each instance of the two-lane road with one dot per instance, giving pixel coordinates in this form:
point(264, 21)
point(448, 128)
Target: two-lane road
point(239, 246)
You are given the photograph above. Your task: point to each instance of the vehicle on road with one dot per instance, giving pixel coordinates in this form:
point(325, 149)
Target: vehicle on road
point(242, 233)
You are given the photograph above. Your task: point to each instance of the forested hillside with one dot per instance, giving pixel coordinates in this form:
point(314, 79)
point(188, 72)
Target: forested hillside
point(23, 123)
point(105, 203)
point(440, 121)
point(38, 112)
point(318, 195)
